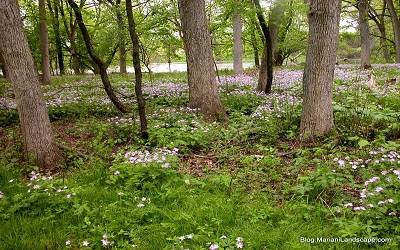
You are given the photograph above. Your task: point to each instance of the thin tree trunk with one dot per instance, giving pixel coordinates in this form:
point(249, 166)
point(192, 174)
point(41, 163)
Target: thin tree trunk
point(382, 29)
point(138, 71)
point(56, 27)
point(203, 90)
point(122, 58)
point(317, 115)
point(122, 47)
point(396, 28)
point(268, 63)
point(70, 29)
point(254, 44)
point(44, 43)
point(102, 66)
point(39, 142)
point(237, 43)
point(363, 6)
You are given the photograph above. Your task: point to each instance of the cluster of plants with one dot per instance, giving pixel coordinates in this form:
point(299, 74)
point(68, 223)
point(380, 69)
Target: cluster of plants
point(248, 182)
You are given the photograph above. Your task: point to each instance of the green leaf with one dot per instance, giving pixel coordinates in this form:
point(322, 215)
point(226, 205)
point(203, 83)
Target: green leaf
point(363, 143)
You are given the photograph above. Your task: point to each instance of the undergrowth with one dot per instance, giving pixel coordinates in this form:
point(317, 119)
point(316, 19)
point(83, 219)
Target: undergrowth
point(244, 183)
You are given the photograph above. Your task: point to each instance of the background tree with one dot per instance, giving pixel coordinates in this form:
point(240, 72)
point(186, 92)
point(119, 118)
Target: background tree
point(97, 60)
point(203, 90)
point(71, 29)
point(276, 18)
point(317, 114)
point(379, 20)
point(39, 142)
point(55, 13)
point(396, 27)
point(237, 41)
point(266, 67)
point(44, 43)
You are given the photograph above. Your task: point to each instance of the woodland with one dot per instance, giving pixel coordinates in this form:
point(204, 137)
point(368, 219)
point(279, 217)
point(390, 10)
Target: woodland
point(199, 124)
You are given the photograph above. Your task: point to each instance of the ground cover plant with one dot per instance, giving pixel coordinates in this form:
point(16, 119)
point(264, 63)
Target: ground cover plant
point(245, 183)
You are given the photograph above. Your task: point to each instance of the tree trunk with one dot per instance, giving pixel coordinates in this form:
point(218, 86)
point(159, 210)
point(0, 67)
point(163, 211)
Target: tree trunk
point(396, 28)
point(383, 42)
point(138, 71)
point(58, 39)
point(102, 66)
point(275, 20)
point(56, 27)
point(203, 90)
point(237, 43)
point(382, 30)
point(317, 115)
point(267, 64)
point(254, 44)
point(263, 73)
point(122, 58)
point(363, 6)
point(122, 47)
point(39, 142)
point(44, 43)
point(70, 29)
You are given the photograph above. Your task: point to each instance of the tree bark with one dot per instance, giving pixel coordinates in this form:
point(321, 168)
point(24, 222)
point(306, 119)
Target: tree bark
point(39, 142)
point(138, 71)
point(363, 6)
point(396, 28)
point(203, 90)
point(265, 82)
point(317, 115)
point(44, 43)
point(254, 43)
point(122, 58)
point(237, 43)
point(102, 66)
point(122, 47)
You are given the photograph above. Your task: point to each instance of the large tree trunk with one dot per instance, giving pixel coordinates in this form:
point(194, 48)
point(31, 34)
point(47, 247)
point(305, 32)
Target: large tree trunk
point(237, 43)
point(44, 43)
point(138, 71)
point(396, 28)
point(265, 85)
point(203, 90)
point(35, 124)
point(317, 116)
point(363, 6)
point(102, 65)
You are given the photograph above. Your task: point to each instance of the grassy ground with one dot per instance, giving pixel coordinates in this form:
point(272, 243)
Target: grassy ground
point(245, 183)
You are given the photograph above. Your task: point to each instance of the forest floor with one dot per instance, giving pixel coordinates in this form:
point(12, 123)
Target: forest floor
point(248, 182)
